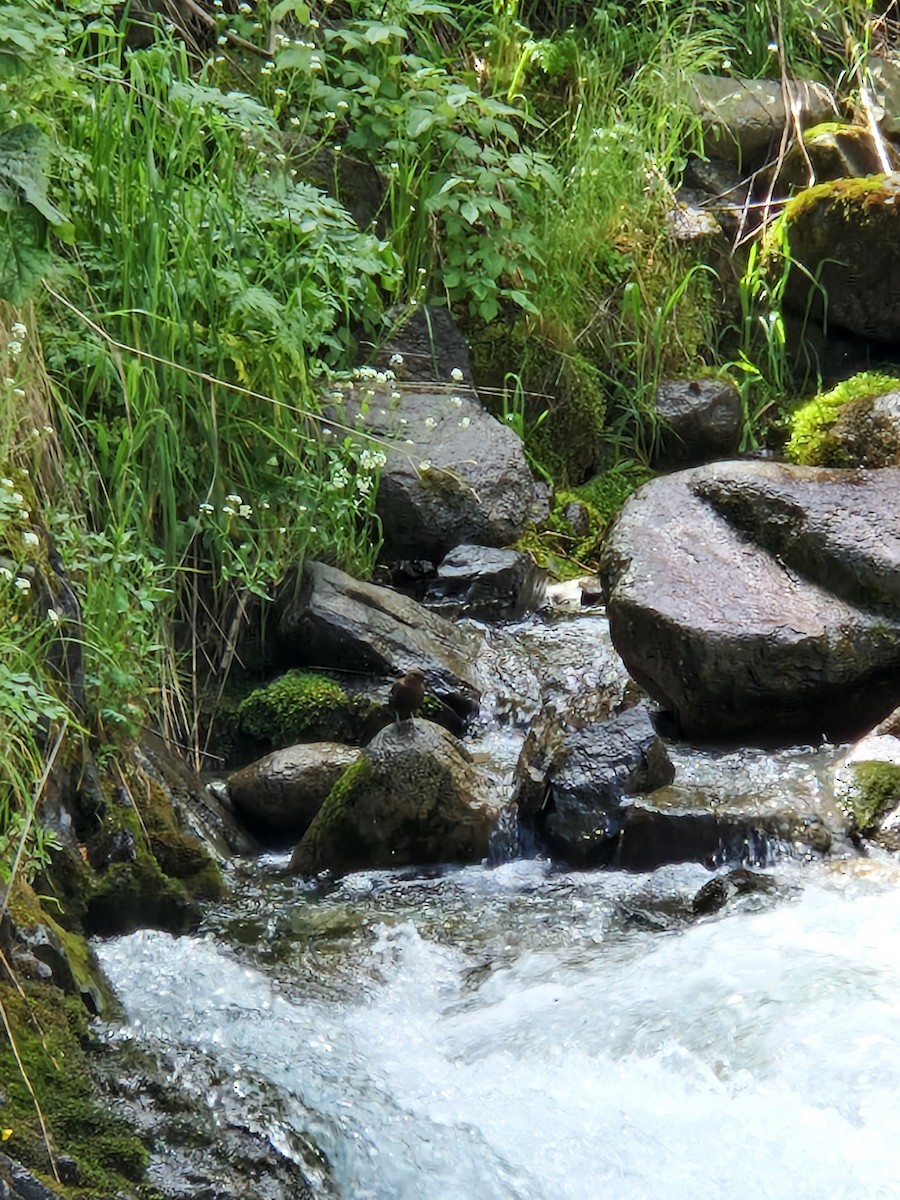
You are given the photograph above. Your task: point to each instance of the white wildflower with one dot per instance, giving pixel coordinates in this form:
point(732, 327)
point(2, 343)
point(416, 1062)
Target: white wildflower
point(364, 484)
point(30, 539)
point(430, 422)
point(465, 423)
point(207, 508)
point(52, 616)
point(228, 510)
point(425, 464)
point(234, 499)
point(15, 348)
point(456, 375)
point(456, 401)
point(18, 330)
point(24, 585)
point(245, 510)
point(396, 360)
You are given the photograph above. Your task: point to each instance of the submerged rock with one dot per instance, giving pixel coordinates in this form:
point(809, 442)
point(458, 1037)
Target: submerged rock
point(328, 619)
point(279, 795)
point(737, 882)
point(571, 784)
point(755, 597)
point(413, 796)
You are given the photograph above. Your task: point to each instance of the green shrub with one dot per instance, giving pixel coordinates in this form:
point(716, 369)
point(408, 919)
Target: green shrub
point(296, 707)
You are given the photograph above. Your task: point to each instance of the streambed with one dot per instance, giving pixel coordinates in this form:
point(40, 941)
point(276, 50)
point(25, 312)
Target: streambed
point(518, 1031)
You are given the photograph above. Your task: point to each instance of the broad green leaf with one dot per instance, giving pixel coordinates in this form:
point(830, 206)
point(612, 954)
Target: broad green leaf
point(469, 211)
point(24, 258)
point(22, 154)
point(377, 32)
point(420, 119)
point(300, 11)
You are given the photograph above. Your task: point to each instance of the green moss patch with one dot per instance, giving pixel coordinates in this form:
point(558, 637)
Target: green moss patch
point(812, 440)
point(50, 1033)
point(567, 552)
point(299, 707)
point(877, 791)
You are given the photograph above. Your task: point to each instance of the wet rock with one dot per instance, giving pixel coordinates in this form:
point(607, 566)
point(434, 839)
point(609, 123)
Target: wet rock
point(486, 583)
point(737, 882)
point(844, 254)
point(571, 785)
point(744, 119)
point(760, 597)
point(329, 619)
point(279, 795)
point(18, 1184)
point(413, 796)
point(700, 420)
point(867, 784)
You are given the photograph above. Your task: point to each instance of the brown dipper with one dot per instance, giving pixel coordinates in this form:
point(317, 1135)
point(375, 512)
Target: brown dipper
point(408, 693)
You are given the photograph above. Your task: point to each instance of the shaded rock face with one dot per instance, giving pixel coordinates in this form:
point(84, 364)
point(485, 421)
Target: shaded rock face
point(701, 420)
point(486, 583)
point(413, 796)
point(279, 795)
point(845, 235)
point(759, 597)
point(571, 784)
point(429, 346)
point(743, 119)
point(328, 619)
point(454, 473)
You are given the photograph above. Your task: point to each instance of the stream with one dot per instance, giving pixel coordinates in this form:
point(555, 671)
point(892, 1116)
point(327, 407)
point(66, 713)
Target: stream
point(518, 1031)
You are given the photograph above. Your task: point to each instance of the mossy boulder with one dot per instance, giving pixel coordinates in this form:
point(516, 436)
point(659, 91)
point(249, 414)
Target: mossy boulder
point(836, 252)
point(830, 151)
point(103, 1156)
point(856, 424)
point(301, 706)
point(413, 796)
point(867, 785)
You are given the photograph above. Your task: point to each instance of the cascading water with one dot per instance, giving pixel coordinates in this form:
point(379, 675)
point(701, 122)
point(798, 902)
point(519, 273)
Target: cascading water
point(518, 1033)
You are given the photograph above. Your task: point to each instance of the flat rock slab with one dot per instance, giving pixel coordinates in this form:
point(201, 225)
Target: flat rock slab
point(760, 597)
point(329, 619)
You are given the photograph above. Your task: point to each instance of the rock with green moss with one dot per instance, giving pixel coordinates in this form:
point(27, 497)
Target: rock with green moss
point(856, 424)
point(867, 784)
point(835, 251)
point(300, 706)
point(829, 151)
point(413, 796)
point(571, 539)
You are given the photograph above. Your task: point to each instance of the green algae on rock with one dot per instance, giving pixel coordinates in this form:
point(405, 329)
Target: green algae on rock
point(300, 706)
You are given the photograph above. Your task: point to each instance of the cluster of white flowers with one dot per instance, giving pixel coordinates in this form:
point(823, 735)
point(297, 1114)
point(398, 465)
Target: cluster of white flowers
point(365, 374)
point(234, 506)
point(372, 460)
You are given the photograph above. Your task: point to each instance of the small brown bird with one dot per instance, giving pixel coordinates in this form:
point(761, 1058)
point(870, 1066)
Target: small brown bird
point(407, 694)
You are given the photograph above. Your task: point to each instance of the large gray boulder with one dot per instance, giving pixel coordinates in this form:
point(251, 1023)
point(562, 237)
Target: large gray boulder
point(571, 784)
point(760, 597)
point(329, 619)
point(454, 474)
point(278, 796)
point(743, 120)
point(413, 796)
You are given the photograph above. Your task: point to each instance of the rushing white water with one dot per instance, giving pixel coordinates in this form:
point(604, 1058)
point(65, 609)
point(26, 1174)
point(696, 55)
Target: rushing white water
point(511, 1034)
